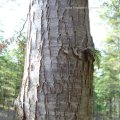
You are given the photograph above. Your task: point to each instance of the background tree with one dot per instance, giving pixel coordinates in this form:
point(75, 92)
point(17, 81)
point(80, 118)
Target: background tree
point(11, 71)
point(107, 80)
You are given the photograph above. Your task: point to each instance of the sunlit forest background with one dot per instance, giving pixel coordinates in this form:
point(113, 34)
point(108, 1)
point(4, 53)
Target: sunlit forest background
point(106, 105)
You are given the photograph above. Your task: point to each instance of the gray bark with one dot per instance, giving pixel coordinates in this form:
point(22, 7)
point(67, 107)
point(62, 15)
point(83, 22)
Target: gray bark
point(57, 82)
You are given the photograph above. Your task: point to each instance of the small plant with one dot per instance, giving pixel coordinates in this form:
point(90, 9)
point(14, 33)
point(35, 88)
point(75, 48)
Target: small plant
point(97, 56)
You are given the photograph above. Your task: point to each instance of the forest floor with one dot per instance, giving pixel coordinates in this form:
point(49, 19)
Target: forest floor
point(7, 115)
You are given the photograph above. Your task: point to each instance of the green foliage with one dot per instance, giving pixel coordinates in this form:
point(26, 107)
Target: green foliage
point(97, 56)
point(11, 71)
point(107, 78)
point(111, 13)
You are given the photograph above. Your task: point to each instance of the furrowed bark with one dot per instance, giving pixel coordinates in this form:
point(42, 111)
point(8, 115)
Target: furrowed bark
point(57, 82)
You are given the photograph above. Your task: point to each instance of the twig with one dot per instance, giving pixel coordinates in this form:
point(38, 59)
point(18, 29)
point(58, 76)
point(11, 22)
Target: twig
point(20, 32)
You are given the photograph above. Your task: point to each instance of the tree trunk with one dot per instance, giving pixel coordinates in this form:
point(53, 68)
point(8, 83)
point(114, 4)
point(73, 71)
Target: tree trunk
point(58, 73)
point(119, 108)
point(110, 108)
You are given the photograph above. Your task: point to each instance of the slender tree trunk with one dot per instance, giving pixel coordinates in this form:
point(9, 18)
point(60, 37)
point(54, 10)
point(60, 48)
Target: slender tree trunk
point(119, 107)
point(57, 82)
point(110, 108)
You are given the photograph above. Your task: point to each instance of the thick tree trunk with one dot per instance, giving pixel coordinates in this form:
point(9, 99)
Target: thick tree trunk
point(57, 82)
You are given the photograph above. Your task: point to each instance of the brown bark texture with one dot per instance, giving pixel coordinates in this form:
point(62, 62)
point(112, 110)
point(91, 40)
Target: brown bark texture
point(58, 73)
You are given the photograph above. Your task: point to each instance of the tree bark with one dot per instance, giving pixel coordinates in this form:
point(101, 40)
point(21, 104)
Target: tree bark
point(58, 73)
